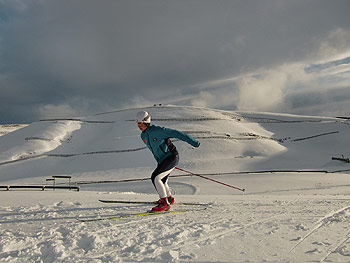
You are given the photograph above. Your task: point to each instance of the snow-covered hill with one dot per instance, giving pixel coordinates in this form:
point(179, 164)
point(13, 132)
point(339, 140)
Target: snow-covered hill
point(7, 128)
point(230, 142)
point(296, 207)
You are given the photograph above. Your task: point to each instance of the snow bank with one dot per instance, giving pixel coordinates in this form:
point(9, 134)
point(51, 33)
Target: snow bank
point(36, 139)
point(8, 128)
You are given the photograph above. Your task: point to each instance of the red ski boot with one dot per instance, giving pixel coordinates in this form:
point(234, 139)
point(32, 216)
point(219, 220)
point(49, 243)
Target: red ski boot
point(163, 205)
point(171, 200)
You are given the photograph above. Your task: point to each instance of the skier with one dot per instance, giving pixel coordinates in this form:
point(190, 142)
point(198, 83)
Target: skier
point(157, 139)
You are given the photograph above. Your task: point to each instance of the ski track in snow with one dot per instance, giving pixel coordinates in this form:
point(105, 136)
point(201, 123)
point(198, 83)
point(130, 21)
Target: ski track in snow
point(338, 248)
point(329, 221)
point(333, 217)
point(53, 234)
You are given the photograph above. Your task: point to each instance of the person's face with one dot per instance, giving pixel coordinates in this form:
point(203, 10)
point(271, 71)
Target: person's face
point(142, 126)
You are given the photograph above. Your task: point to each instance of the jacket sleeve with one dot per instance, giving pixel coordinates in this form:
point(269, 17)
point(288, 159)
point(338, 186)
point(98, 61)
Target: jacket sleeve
point(170, 133)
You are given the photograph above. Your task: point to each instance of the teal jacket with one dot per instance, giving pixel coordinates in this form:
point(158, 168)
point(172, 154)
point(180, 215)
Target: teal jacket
point(157, 139)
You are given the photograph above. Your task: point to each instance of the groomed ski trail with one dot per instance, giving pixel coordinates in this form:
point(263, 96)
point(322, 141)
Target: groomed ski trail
point(345, 240)
point(147, 213)
point(321, 222)
point(247, 228)
point(150, 203)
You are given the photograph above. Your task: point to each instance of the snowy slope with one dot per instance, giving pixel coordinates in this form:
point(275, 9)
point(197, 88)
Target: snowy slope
point(230, 142)
point(8, 128)
point(296, 207)
point(111, 142)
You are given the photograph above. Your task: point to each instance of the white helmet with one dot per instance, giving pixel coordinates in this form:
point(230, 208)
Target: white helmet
point(143, 116)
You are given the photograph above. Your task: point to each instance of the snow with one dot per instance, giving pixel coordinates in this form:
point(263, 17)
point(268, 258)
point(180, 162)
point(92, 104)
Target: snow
point(7, 128)
point(296, 207)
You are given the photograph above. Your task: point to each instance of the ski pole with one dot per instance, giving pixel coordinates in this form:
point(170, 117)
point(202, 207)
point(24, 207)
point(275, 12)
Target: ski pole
point(201, 176)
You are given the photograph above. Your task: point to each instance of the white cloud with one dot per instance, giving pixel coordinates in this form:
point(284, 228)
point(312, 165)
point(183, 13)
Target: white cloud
point(219, 98)
point(334, 46)
point(272, 89)
point(204, 99)
point(139, 101)
point(50, 111)
point(266, 90)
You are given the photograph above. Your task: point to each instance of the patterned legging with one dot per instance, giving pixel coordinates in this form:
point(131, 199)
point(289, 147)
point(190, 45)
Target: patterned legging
point(161, 174)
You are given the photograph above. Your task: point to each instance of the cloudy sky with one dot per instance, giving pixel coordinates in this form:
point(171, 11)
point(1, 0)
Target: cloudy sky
point(64, 58)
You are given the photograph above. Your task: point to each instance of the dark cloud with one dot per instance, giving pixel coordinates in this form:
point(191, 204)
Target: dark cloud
point(91, 56)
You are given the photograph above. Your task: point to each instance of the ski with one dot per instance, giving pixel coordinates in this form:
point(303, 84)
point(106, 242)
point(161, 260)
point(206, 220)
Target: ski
point(148, 213)
point(146, 203)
